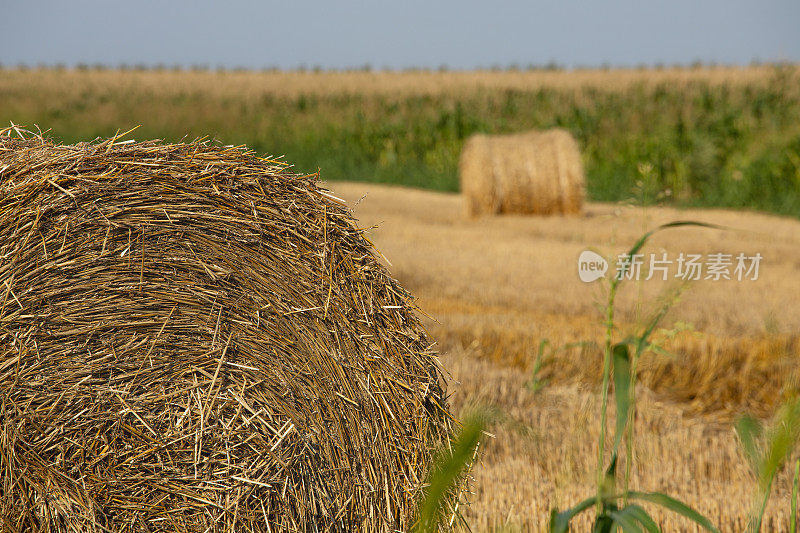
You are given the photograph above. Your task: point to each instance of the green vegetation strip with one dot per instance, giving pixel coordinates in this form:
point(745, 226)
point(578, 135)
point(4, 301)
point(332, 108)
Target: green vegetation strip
point(734, 145)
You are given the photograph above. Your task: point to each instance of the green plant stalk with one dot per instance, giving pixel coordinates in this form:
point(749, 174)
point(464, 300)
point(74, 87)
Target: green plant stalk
point(629, 429)
point(759, 508)
point(645, 171)
point(642, 341)
point(793, 523)
point(604, 402)
point(534, 382)
point(629, 436)
point(615, 282)
point(641, 345)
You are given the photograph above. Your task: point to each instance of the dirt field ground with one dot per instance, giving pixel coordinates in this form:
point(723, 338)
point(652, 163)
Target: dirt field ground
point(495, 287)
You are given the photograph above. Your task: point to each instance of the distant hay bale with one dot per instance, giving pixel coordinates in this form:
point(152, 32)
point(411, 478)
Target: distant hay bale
point(528, 173)
point(192, 338)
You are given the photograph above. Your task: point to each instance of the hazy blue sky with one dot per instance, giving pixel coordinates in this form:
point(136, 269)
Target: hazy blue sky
point(398, 34)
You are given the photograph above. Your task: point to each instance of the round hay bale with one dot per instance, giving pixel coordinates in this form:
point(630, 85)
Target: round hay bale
point(527, 173)
point(192, 338)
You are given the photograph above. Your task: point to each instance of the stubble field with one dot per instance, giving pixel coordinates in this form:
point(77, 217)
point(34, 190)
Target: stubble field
point(495, 287)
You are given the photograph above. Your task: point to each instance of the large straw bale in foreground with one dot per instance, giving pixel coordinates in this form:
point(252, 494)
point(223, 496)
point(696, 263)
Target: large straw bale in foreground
point(194, 339)
point(527, 173)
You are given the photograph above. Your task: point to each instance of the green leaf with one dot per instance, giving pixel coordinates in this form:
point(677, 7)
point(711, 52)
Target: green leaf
point(559, 522)
point(651, 326)
point(625, 521)
point(622, 381)
point(655, 348)
point(609, 486)
point(676, 506)
point(447, 471)
point(543, 344)
point(638, 514)
point(767, 449)
point(536, 383)
point(782, 438)
point(749, 431)
point(603, 524)
point(643, 239)
point(795, 482)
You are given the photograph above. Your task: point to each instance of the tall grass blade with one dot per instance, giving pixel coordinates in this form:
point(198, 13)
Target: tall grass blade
point(626, 521)
point(559, 522)
point(675, 506)
point(622, 383)
point(447, 472)
point(781, 438)
point(793, 523)
point(644, 238)
point(604, 523)
point(535, 383)
point(609, 486)
point(749, 431)
point(638, 514)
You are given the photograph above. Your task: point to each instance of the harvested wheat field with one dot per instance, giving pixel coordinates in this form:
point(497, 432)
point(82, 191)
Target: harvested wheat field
point(495, 287)
point(195, 339)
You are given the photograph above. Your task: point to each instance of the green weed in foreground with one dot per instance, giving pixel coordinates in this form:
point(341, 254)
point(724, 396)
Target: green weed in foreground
point(767, 450)
point(793, 510)
point(619, 508)
point(438, 507)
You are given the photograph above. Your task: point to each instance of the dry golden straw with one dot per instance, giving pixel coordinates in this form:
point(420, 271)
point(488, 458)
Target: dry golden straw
point(527, 173)
point(192, 338)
